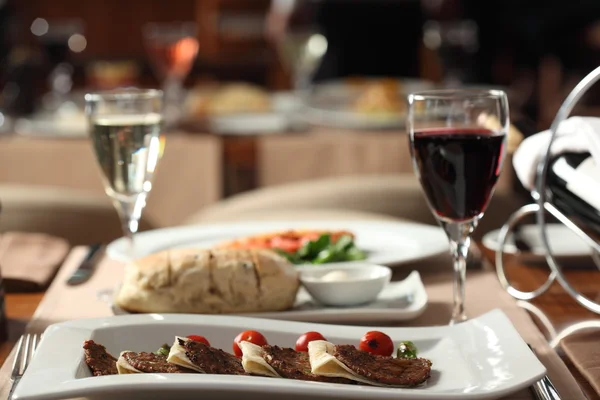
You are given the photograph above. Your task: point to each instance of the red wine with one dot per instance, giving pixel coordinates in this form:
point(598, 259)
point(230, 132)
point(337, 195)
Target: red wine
point(573, 185)
point(458, 169)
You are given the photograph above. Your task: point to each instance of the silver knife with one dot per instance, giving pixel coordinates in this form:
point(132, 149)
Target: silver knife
point(85, 270)
point(544, 389)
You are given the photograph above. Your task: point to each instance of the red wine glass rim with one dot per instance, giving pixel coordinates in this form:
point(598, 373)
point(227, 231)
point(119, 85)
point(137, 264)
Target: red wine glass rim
point(450, 94)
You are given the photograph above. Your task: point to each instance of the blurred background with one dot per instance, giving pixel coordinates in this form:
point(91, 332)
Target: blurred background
point(267, 93)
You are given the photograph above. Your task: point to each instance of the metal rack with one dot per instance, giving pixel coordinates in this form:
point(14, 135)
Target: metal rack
point(542, 207)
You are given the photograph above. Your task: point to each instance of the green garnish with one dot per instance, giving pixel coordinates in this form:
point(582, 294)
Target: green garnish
point(164, 350)
point(323, 250)
point(406, 349)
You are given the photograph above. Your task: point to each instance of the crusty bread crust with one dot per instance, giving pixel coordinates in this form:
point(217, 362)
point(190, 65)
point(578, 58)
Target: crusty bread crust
point(216, 281)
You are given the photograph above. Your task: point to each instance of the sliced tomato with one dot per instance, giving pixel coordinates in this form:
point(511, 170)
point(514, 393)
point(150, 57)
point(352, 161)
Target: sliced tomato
point(285, 244)
point(378, 343)
point(302, 342)
point(198, 338)
point(248, 336)
point(257, 244)
point(310, 236)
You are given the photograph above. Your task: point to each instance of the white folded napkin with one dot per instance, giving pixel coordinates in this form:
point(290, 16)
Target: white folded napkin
point(575, 135)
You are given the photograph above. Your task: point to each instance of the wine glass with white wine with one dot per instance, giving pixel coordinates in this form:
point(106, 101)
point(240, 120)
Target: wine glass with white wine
point(125, 127)
point(293, 28)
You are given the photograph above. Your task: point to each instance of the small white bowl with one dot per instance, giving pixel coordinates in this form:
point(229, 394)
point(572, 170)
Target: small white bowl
point(362, 283)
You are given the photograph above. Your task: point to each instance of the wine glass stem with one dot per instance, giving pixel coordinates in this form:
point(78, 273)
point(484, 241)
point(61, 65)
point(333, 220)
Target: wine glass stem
point(173, 95)
point(129, 229)
point(130, 212)
point(460, 238)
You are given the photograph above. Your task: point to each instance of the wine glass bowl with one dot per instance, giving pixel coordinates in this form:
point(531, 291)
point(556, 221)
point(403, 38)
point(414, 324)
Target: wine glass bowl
point(172, 49)
point(124, 128)
point(458, 146)
point(302, 51)
point(292, 27)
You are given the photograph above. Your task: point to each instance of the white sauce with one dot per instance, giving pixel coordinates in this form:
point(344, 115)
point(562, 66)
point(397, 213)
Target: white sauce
point(336, 276)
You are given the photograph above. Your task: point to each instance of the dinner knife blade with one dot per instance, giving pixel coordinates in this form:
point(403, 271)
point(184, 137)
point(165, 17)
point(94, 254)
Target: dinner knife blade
point(85, 270)
point(543, 389)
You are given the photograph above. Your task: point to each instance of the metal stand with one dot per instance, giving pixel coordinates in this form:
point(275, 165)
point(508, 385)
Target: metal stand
point(542, 207)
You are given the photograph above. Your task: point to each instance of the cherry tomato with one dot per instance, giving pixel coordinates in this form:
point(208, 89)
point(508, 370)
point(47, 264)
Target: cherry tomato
point(248, 336)
point(378, 343)
point(198, 338)
point(302, 342)
point(285, 244)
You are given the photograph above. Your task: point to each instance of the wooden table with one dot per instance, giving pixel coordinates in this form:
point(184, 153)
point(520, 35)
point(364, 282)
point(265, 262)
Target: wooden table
point(556, 304)
point(561, 310)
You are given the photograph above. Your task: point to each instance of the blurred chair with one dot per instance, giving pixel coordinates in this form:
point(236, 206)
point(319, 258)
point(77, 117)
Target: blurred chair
point(77, 216)
point(299, 214)
point(377, 196)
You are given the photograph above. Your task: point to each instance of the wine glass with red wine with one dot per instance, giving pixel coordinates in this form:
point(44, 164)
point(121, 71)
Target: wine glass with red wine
point(458, 144)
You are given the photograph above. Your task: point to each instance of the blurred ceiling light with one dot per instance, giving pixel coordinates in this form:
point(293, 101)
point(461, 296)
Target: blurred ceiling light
point(39, 27)
point(432, 37)
point(77, 43)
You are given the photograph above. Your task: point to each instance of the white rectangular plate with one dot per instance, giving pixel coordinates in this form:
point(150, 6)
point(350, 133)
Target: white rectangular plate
point(484, 358)
point(398, 301)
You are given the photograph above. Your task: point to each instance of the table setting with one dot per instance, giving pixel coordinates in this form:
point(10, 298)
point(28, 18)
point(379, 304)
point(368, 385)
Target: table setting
point(405, 310)
point(63, 302)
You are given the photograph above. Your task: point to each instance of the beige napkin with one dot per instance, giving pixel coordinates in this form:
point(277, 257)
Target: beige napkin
point(583, 349)
point(484, 293)
point(29, 261)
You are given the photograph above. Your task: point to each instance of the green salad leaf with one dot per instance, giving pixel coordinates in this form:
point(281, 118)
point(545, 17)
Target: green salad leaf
point(323, 250)
point(406, 349)
point(164, 350)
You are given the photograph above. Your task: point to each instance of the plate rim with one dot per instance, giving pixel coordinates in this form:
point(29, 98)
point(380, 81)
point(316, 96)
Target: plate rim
point(205, 231)
point(63, 381)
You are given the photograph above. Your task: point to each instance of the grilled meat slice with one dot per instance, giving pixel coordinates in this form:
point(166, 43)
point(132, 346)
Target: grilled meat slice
point(212, 360)
point(153, 363)
point(98, 359)
point(385, 370)
point(293, 364)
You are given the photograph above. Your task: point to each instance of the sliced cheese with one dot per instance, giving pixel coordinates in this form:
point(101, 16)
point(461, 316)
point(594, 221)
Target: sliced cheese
point(253, 360)
point(177, 356)
point(123, 367)
point(322, 362)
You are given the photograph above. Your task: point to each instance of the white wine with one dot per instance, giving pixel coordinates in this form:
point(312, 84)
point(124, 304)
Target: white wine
point(302, 51)
point(127, 148)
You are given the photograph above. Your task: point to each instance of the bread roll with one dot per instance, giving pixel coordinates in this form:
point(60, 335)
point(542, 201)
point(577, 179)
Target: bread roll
point(216, 281)
point(237, 98)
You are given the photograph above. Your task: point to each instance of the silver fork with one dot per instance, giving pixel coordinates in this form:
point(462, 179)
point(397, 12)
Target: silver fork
point(25, 349)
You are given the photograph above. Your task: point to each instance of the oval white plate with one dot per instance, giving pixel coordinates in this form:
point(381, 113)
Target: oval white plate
point(387, 243)
point(483, 358)
point(331, 105)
